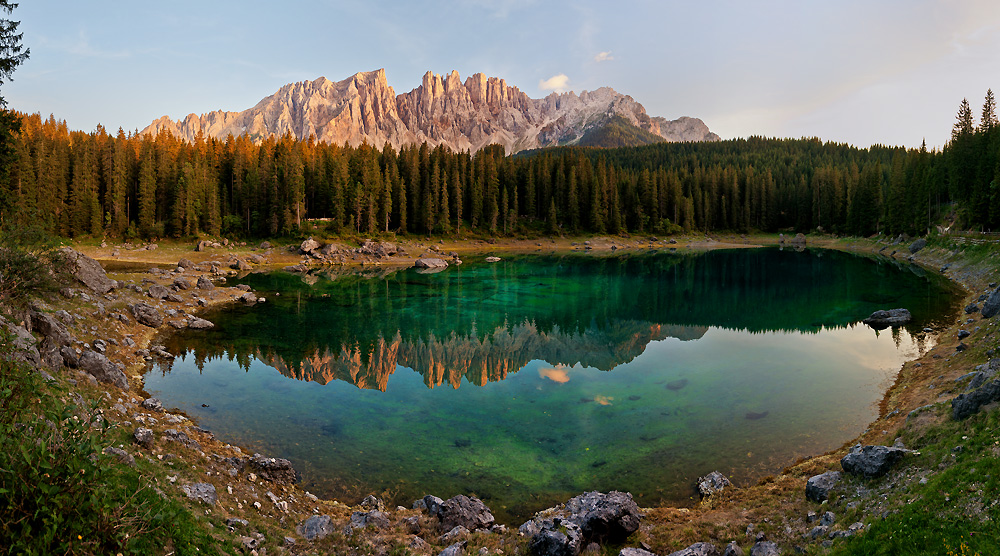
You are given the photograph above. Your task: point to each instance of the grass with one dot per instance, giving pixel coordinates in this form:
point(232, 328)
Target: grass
point(60, 495)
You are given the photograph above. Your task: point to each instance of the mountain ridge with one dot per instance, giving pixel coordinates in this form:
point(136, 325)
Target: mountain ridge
point(442, 110)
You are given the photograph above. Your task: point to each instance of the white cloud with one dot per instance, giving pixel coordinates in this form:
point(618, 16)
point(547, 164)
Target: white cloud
point(604, 57)
point(557, 83)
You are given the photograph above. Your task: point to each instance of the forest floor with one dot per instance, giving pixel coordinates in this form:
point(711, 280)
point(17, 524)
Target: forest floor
point(775, 507)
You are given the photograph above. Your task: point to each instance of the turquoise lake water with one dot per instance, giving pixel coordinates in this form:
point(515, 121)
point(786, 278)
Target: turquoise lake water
point(528, 381)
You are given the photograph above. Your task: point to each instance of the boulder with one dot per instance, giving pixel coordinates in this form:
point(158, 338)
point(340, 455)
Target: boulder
point(917, 246)
point(884, 319)
point(156, 291)
point(456, 549)
point(185, 264)
point(992, 305)
point(799, 239)
point(199, 323)
point(147, 314)
point(462, 510)
point(732, 549)
point(143, 437)
point(121, 456)
point(712, 483)
point(249, 298)
point(264, 245)
point(557, 537)
point(308, 246)
point(182, 284)
point(634, 552)
point(204, 284)
point(602, 517)
point(276, 470)
point(203, 245)
point(372, 502)
point(316, 527)
point(765, 548)
point(101, 368)
point(201, 492)
point(818, 486)
point(55, 332)
point(87, 271)
point(871, 461)
point(430, 263)
point(697, 549)
point(24, 348)
point(967, 404)
point(240, 264)
point(361, 520)
point(70, 358)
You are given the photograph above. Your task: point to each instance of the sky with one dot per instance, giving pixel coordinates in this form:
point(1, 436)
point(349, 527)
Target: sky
point(889, 72)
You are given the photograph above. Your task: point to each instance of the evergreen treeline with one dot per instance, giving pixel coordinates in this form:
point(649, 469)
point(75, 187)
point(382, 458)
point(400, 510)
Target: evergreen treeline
point(76, 183)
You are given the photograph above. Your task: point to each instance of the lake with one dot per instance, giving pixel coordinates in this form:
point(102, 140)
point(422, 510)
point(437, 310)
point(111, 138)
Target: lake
point(531, 380)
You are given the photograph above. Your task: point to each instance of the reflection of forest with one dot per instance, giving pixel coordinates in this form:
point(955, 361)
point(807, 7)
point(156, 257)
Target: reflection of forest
point(479, 361)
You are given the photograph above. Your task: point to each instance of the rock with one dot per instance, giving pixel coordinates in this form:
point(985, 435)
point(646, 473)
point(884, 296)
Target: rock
point(264, 245)
point(202, 245)
point(432, 504)
point(147, 314)
point(818, 486)
point(609, 517)
point(884, 319)
point(963, 334)
point(971, 308)
point(828, 519)
point(917, 246)
point(418, 544)
point(101, 368)
point(361, 520)
point(185, 264)
point(70, 358)
point(235, 522)
point(871, 461)
point(87, 271)
point(967, 404)
point(182, 284)
point(182, 437)
point(732, 549)
point(23, 348)
point(458, 532)
point(152, 404)
point(698, 549)
point(315, 527)
point(201, 492)
point(456, 549)
point(249, 298)
point(712, 483)
point(818, 531)
point(799, 239)
point(430, 263)
point(143, 437)
point(462, 510)
point(765, 548)
point(308, 246)
point(992, 305)
point(55, 332)
point(120, 455)
point(371, 502)
point(204, 284)
point(557, 537)
point(240, 264)
point(199, 323)
point(635, 552)
point(492, 259)
point(276, 470)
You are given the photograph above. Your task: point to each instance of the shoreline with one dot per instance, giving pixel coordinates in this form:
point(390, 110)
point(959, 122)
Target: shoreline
point(904, 392)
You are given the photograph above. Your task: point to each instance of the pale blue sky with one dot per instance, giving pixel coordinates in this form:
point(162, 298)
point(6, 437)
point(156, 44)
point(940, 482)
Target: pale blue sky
point(862, 72)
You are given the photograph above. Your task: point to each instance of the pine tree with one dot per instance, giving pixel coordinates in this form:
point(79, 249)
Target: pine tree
point(988, 120)
point(964, 126)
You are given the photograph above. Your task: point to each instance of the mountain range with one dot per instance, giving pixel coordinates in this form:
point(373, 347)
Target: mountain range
point(443, 110)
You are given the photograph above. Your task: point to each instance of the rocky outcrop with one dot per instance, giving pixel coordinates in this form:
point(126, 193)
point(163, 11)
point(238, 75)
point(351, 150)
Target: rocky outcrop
point(461, 511)
point(443, 110)
point(884, 319)
point(602, 518)
point(276, 470)
point(101, 368)
point(871, 461)
point(992, 305)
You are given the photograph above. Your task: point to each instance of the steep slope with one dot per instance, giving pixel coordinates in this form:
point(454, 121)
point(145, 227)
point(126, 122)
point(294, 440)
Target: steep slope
point(443, 110)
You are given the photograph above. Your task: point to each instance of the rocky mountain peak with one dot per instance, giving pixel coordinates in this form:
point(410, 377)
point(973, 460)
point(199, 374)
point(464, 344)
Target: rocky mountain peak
point(442, 110)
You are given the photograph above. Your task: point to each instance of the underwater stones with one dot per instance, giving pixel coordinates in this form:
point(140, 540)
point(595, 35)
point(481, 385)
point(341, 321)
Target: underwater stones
point(755, 415)
point(697, 549)
point(818, 486)
point(886, 318)
point(712, 483)
point(469, 512)
point(316, 527)
point(147, 315)
point(871, 461)
point(201, 492)
point(276, 470)
point(676, 385)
